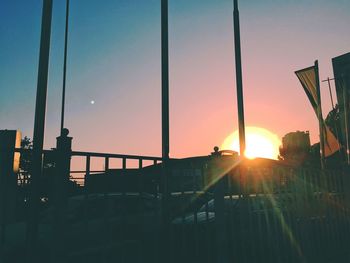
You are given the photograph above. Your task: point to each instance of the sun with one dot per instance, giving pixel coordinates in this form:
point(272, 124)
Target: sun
point(259, 143)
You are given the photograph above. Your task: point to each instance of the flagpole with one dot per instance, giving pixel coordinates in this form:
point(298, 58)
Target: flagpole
point(320, 117)
point(165, 127)
point(328, 80)
point(38, 133)
point(64, 66)
point(238, 60)
point(346, 127)
point(165, 79)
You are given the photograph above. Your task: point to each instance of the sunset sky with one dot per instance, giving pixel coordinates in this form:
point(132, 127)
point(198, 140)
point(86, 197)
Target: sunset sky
point(114, 60)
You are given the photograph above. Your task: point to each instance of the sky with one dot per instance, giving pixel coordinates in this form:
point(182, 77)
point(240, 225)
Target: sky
point(114, 60)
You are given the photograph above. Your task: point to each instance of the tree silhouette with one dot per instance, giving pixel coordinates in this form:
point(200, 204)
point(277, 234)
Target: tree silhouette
point(333, 121)
point(49, 168)
point(26, 158)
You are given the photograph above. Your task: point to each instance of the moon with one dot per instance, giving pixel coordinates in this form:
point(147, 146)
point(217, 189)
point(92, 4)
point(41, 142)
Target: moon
point(92, 102)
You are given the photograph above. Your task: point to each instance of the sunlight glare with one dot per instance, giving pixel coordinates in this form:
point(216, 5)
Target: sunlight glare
point(259, 143)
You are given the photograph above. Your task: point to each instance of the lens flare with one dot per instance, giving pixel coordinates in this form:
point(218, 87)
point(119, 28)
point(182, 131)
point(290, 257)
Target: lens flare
point(259, 143)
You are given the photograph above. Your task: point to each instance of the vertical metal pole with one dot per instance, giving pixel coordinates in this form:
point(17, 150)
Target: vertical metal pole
point(165, 79)
point(219, 209)
point(39, 127)
point(330, 92)
point(64, 66)
point(165, 125)
point(165, 99)
point(60, 196)
point(9, 140)
point(346, 116)
point(237, 37)
point(336, 129)
point(320, 117)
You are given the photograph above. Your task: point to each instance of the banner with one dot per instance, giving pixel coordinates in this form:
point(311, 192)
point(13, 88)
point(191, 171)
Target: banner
point(307, 78)
point(331, 145)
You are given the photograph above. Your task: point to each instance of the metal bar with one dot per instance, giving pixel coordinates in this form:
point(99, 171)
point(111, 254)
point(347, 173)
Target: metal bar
point(239, 82)
point(111, 155)
point(87, 171)
point(165, 123)
point(39, 128)
point(64, 66)
point(141, 228)
point(124, 163)
point(79, 172)
point(327, 79)
point(346, 124)
point(165, 79)
point(330, 92)
point(140, 182)
point(320, 117)
point(106, 164)
point(140, 163)
point(86, 193)
point(123, 212)
point(95, 154)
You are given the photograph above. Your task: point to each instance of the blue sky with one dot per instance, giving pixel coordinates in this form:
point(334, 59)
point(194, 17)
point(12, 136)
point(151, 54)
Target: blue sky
point(114, 59)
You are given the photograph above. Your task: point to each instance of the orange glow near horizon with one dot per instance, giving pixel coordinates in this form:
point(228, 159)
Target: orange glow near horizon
point(259, 143)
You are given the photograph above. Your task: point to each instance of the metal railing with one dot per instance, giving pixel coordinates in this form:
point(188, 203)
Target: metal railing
point(107, 158)
point(220, 210)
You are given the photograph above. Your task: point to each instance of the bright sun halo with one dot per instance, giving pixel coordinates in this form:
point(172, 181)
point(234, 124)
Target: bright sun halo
point(259, 143)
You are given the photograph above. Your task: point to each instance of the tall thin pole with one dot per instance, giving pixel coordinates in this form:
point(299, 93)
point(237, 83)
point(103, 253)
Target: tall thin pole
point(165, 80)
point(64, 66)
point(165, 126)
point(320, 117)
point(330, 91)
point(39, 128)
point(333, 108)
point(241, 125)
point(346, 124)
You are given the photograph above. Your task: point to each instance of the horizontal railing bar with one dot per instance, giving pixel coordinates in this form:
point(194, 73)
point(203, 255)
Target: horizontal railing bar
point(22, 150)
point(103, 171)
point(81, 172)
point(112, 155)
point(95, 154)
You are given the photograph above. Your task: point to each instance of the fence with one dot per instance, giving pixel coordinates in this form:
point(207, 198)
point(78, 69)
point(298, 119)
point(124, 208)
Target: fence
point(214, 209)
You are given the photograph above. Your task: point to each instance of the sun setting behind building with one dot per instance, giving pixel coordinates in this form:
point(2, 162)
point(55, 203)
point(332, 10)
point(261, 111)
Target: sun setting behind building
point(259, 143)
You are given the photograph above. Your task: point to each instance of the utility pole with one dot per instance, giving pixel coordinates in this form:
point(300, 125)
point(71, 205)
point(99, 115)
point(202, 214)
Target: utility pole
point(330, 90)
point(320, 117)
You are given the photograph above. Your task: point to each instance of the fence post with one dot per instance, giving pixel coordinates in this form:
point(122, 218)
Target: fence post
point(9, 162)
point(219, 208)
point(166, 250)
point(346, 186)
point(60, 194)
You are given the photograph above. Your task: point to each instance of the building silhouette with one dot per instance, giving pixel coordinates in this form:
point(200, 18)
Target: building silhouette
point(295, 147)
